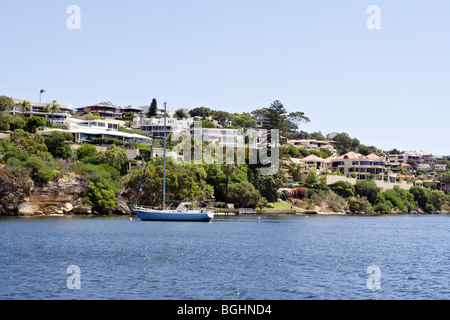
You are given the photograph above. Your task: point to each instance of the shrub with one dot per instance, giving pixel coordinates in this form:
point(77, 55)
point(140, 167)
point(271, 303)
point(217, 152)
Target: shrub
point(101, 197)
point(86, 150)
point(437, 199)
point(243, 195)
point(343, 188)
point(360, 204)
point(421, 195)
point(368, 189)
point(57, 146)
point(40, 173)
point(298, 193)
point(382, 207)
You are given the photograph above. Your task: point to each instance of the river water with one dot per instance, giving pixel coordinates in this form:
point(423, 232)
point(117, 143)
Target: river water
point(237, 258)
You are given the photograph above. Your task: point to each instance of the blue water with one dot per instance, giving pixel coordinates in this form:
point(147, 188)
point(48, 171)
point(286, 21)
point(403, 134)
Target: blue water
point(242, 258)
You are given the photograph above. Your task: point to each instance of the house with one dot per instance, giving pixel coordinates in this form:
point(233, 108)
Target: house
point(420, 157)
point(107, 111)
point(312, 161)
point(86, 131)
point(360, 166)
point(37, 109)
point(312, 144)
point(155, 126)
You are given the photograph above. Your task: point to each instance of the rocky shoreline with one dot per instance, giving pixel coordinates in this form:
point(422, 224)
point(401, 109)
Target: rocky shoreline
point(21, 197)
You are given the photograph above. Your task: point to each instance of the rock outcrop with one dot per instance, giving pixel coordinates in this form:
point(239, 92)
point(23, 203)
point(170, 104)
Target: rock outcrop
point(14, 192)
point(65, 196)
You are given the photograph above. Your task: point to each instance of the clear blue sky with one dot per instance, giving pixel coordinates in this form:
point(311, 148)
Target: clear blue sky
point(388, 88)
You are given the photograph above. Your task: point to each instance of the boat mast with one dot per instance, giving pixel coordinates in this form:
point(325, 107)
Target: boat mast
point(164, 183)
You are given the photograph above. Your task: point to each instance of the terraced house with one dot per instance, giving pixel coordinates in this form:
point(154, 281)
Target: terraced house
point(359, 166)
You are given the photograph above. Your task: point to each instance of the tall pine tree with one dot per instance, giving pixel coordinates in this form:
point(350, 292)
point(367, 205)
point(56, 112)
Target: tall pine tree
point(153, 109)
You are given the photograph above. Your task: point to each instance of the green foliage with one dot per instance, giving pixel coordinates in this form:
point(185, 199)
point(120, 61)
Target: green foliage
point(438, 198)
point(57, 146)
point(244, 120)
point(180, 114)
point(312, 178)
point(103, 173)
point(108, 141)
point(399, 198)
point(100, 196)
point(11, 122)
point(15, 152)
point(6, 103)
point(86, 150)
point(201, 112)
point(421, 195)
point(344, 143)
point(244, 195)
point(208, 124)
point(40, 172)
point(360, 204)
point(34, 123)
point(344, 189)
point(153, 109)
point(115, 157)
point(33, 144)
point(368, 189)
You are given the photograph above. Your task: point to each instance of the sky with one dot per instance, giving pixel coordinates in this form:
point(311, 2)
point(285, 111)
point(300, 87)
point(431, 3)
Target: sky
point(388, 87)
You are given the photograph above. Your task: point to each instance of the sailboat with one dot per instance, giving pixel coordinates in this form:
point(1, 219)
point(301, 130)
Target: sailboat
point(181, 213)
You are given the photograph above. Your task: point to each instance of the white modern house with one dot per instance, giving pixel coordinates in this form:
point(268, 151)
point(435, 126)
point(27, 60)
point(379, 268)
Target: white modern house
point(86, 131)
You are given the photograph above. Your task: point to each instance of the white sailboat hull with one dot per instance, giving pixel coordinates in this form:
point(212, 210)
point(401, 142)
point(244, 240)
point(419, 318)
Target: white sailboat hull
point(173, 215)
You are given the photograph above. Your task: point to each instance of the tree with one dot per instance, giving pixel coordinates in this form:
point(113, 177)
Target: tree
point(295, 169)
point(244, 195)
point(25, 107)
point(275, 116)
point(33, 144)
point(54, 108)
point(34, 123)
point(298, 118)
point(208, 124)
point(116, 158)
point(86, 150)
point(40, 172)
point(101, 197)
point(368, 189)
point(244, 120)
point(11, 122)
point(421, 195)
point(6, 103)
point(201, 112)
point(438, 198)
point(312, 178)
point(57, 146)
point(152, 111)
point(343, 188)
point(360, 204)
point(180, 114)
point(228, 170)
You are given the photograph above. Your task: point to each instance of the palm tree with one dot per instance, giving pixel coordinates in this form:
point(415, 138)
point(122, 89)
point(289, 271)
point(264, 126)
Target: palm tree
point(54, 108)
point(295, 169)
point(228, 170)
point(47, 109)
point(25, 106)
point(40, 93)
